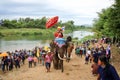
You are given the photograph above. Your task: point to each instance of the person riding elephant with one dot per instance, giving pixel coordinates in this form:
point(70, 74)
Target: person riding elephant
point(59, 40)
point(58, 46)
point(58, 33)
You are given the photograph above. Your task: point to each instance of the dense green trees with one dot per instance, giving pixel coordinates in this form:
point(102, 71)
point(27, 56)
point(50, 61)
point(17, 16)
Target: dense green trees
point(32, 23)
point(30, 27)
point(114, 19)
point(108, 22)
point(36, 23)
point(24, 23)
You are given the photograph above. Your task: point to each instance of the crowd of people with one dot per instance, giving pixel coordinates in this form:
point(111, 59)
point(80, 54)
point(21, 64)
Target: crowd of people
point(37, 55)
point(98, 55)
point(100, 58)
point(17, 58)
point(12, 60)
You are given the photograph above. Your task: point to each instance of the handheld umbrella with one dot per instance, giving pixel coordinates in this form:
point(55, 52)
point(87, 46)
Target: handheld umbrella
point(52, 21)
point(3, 54)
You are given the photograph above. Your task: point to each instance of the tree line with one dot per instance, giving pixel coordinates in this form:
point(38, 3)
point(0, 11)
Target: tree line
point(36, 23)
point(108, 21)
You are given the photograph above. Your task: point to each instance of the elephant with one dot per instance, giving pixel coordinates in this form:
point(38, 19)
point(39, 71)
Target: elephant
point(60, 51)
point(70, 47)
point(58, 57)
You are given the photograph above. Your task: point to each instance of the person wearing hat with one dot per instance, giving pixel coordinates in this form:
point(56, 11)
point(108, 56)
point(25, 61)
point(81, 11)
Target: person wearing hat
point(58, 33)
point(59, 40)
point(48, 60)
point(106, 71)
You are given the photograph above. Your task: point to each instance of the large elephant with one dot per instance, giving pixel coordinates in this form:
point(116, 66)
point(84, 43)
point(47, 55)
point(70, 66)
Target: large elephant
point(60, 52)
point(58, 56)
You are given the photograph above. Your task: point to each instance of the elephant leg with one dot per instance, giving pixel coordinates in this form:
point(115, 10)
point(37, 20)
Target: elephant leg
point(61, 64)
point(55, 62)
point(68, 57)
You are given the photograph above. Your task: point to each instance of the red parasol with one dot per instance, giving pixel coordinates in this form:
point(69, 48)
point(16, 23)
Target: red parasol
point(52, 21)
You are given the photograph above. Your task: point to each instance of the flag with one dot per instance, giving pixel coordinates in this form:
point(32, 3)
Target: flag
point(63, 28)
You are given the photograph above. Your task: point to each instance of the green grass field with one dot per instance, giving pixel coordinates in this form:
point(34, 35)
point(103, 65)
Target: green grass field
point(26, 32)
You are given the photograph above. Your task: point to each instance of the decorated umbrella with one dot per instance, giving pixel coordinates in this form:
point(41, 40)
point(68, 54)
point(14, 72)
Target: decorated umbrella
point(3, 54)
point(52, 21)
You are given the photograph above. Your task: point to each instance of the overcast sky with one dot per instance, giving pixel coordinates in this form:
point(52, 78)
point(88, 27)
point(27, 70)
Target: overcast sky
point(80, 11)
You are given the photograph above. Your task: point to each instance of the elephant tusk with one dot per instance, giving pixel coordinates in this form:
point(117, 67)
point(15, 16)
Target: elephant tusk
point(60, 57)
point(65, 55)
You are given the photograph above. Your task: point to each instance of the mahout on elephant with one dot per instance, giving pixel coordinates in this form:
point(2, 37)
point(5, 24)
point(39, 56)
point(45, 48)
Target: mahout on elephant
point(62, 51)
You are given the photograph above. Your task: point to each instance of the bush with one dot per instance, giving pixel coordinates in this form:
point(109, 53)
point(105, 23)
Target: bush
point(1, 35)
point(37, 33)
point(25, 34)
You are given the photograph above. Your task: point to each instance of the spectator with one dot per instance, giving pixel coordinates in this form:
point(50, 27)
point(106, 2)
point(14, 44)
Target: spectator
point(30, 59)
point(48, 60)
point(35, 60)
point(106, 71)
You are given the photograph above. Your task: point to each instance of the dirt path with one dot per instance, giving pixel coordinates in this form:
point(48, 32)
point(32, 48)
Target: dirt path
point(74, 70)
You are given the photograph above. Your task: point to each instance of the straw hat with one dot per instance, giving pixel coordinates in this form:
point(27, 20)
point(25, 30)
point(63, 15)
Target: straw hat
point(59, 28)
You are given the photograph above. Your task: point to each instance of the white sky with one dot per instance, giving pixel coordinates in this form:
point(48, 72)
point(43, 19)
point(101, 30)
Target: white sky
point(80, 11)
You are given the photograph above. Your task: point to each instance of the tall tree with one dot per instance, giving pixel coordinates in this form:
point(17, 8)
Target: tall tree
point(109, 20)
point(114, 18)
